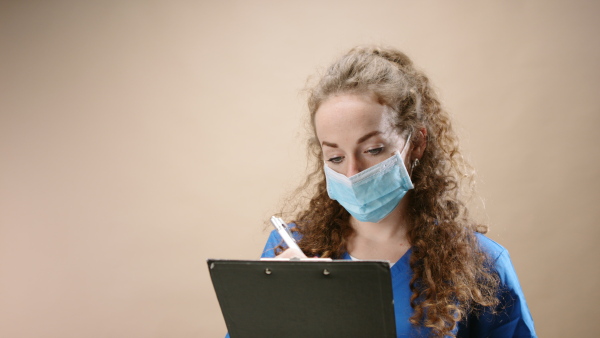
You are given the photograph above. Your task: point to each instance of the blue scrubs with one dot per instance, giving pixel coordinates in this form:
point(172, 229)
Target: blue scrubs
point(512, 318)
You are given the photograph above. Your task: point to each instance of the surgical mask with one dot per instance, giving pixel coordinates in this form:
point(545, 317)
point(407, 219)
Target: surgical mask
point(372, 194)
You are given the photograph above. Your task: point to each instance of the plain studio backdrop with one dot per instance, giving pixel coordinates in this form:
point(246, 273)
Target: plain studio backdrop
point(138, 139)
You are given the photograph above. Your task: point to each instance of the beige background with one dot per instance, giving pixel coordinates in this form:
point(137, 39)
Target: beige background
point(138, 139)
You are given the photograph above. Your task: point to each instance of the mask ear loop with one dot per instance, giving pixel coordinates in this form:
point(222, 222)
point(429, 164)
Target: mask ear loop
point(406, 145)
point(416, 161)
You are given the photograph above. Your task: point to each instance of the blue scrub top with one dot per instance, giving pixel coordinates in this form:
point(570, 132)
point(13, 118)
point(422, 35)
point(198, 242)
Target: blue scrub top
point(512, 317)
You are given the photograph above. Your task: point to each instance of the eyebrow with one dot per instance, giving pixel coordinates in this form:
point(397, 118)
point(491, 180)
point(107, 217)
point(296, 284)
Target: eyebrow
point(368, 136)
point(359, 141)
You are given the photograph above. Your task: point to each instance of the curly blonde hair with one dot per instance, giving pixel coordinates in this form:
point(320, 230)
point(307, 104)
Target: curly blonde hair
point(451, 275)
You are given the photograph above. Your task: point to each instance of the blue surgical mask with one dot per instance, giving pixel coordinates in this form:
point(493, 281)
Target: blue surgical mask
point(372, 194)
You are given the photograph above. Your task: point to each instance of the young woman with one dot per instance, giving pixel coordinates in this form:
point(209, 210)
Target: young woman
point(390, 183)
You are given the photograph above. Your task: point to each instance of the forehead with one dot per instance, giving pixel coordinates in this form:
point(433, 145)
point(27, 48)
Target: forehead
point(350, 114)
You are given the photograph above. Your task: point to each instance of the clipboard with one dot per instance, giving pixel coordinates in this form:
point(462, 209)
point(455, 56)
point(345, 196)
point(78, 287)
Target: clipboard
point(274, 298)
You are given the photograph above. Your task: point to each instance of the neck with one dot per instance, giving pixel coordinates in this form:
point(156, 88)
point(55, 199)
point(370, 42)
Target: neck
point(392, 228)
point(384, 240)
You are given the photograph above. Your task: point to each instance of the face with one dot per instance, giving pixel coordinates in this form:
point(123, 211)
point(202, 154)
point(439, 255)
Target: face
point(356, 132)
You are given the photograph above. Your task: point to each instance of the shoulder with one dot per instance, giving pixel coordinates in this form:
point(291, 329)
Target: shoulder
point(490, 247)
point(511, 318)
point(499, 258)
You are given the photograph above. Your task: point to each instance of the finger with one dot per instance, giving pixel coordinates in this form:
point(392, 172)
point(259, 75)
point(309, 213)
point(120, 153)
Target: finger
point(292, 253)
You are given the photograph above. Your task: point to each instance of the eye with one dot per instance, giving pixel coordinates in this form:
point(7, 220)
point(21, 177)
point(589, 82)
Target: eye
point(375, 151)
point(337, 159)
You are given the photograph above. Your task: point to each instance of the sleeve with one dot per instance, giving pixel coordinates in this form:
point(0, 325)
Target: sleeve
point(273, 242)
point(511, 318)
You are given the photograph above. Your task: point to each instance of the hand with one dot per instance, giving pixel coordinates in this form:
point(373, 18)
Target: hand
point(291, 253)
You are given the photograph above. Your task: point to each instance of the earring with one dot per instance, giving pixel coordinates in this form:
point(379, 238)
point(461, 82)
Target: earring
point(414, 164)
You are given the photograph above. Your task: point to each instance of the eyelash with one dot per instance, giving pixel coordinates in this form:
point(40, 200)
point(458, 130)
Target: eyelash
point(336, 160)
point(374, 152)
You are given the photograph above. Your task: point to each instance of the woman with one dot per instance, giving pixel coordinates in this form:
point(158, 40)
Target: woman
point(389, 183)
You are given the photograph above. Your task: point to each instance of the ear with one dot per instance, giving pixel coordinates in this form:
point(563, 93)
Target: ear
point(419, 143)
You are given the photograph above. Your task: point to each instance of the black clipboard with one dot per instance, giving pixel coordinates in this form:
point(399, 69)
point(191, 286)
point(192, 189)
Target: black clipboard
point(276, 298)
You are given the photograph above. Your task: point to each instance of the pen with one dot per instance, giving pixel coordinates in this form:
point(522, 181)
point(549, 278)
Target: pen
point(285, 233)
